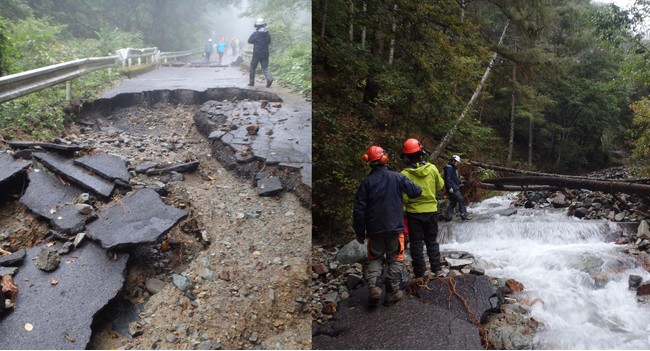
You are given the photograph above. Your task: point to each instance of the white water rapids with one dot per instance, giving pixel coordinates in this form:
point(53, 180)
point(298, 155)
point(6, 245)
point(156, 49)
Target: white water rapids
point(555, 257)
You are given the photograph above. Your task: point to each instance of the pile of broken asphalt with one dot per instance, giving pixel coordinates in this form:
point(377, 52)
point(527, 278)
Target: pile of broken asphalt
point(95, 218)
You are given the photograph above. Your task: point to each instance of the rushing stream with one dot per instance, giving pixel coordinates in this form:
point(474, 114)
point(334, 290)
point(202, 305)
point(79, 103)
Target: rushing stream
point(556, 258)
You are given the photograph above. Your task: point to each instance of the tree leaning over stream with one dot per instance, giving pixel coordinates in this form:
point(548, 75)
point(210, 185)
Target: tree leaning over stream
point(559, 88)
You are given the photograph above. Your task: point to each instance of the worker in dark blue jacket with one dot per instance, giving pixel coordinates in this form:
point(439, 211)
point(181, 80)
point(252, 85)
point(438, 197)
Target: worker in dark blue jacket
point(452, 184)
point(261, 40)
point(378, 216)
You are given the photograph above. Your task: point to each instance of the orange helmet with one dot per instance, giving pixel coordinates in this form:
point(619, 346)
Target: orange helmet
point(412, 146)
point(376, 153)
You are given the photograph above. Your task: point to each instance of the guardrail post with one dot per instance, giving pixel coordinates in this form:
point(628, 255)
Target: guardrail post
point(110, 72)
point(139, 61)
point(68, 90)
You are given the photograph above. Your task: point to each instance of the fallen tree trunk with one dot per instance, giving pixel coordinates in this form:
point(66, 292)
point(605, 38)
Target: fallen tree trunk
point(522, 171)
point(489, 186)
point(573, 183)
point(469, 105)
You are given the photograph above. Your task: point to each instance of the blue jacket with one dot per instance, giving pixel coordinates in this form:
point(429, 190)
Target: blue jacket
point(378, 203)
point(221, 47)
point(452, 180)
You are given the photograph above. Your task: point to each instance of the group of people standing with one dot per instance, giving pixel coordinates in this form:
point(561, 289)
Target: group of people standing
point(261, 40)
point(220, 47)
point(389, 204)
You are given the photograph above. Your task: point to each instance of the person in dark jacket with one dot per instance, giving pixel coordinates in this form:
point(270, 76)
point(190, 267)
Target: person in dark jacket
point(207, 50)
point(378, 216)
point(261, 39)
point(452, 183)
point(422, 212)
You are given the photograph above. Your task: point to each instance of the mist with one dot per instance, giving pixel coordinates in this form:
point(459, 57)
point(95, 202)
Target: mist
point(226, 22)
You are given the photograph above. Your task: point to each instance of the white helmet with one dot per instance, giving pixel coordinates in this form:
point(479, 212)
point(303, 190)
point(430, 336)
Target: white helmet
point(456, 158)
point(260, 22)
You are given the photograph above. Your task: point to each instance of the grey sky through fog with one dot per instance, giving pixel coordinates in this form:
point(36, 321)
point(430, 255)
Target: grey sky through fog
point(226, 23)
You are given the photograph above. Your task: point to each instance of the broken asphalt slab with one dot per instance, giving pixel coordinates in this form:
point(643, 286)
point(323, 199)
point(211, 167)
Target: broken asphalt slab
point(66, 168)
point(59, 306)
point(139, 217)
point(48, 198)
point(280, 138)
point(9, 167)
point(108, 166)
point(47, 146)
point(436, 320)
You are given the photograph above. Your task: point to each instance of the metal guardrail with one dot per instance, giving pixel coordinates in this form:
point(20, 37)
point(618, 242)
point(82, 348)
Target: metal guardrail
point(20, 84)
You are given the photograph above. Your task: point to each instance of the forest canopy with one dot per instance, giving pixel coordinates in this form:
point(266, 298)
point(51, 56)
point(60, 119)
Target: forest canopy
point(566, 92)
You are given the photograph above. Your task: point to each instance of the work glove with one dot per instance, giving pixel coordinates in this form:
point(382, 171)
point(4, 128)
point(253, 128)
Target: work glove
point(361, 238)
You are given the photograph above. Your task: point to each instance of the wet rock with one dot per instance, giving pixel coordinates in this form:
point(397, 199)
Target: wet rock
point(253, 129)
point(154, 285)
point(353, 280)
point(66, 168)
point(511, 331)
point(580, 212)
point(507, 212)
point(559, 201)
point(634, 281)
point(352, 252)
point(643, 230)
point(14, 259)
point(48, 260)
point(48, 198)
point(9, 167)
point(514, 286)
point(71, 303)
point(108, 166)
point(181, 282)
point(643, 290)
point(66, 248)
point(449, 325)
point(84, 209)
point(269, 186)
point(140, 217)
point(458, 263)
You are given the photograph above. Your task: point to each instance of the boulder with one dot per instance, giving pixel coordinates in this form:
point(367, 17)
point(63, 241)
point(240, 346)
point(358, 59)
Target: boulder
point(352, 252)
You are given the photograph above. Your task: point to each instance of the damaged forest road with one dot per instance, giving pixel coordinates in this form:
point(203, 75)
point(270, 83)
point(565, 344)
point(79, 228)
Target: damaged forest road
point(161, 220)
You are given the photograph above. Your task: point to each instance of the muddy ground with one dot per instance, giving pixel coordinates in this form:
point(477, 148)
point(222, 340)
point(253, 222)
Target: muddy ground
point(246, 256)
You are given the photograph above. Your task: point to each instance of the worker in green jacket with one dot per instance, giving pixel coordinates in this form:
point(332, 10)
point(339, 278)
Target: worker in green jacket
point(422, 212)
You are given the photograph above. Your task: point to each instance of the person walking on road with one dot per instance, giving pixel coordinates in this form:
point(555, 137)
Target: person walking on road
point(378, 216)
point(261, 39)
point(452, 183)
point(208, 50)
point(422, 212)
point(221, 49)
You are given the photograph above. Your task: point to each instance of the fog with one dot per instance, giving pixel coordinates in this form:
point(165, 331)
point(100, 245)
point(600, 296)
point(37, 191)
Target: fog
point(227, 22)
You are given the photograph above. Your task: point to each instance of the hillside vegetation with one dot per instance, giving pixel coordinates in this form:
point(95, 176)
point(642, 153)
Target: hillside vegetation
point(567, 93)
point(39, 33)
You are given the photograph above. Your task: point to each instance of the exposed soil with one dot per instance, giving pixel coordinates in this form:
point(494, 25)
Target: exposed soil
point(246, 256)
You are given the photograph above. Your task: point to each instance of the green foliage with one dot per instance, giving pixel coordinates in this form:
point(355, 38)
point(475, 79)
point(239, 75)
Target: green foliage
point(33, 43)
point(294, 67)
point(640, 137)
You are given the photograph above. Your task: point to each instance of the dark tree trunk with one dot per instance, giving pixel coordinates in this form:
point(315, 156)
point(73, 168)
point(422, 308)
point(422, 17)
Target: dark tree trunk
point(573, 183)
